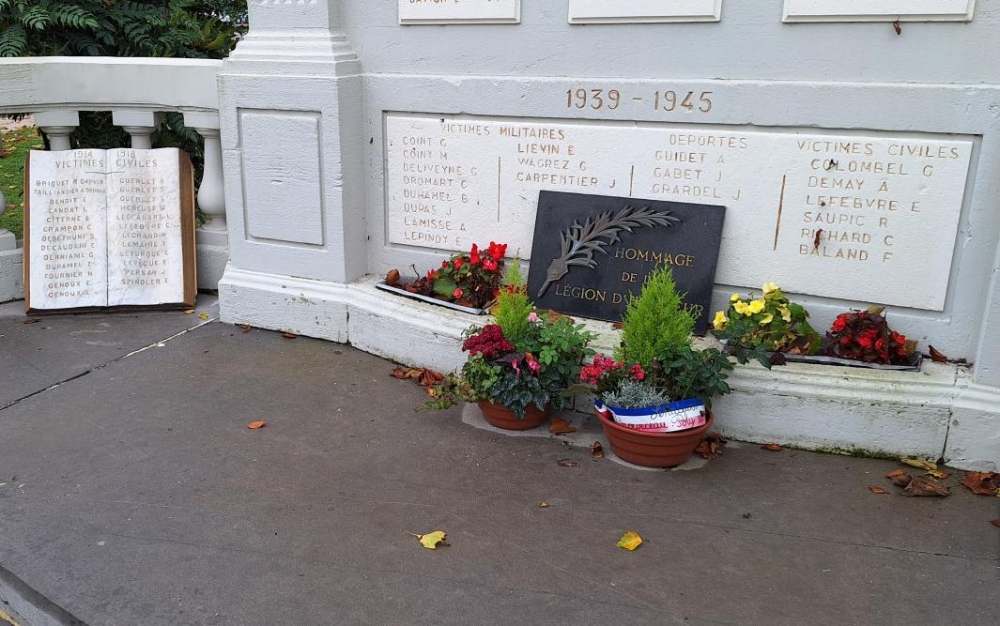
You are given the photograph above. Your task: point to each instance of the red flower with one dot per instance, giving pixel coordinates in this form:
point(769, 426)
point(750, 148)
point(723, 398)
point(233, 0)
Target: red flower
point(637, 372)
point(444, 264)
point(458, 262)
point(840, 323)
point(458, 293)
point(880, 344)
point(900, 339)
point(489, 264)
point(474, 255)
point(497, 250)
point(867, 339)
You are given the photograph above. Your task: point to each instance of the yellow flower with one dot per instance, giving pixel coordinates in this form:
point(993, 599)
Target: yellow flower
point(769, 287)
point(755, 306)
point(734, 298)
point(719, 323)
point(764, 321)
point(785, 313)
point(740, 307)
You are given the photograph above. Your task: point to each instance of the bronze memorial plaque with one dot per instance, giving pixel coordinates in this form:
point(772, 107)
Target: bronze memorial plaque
point(591, 253)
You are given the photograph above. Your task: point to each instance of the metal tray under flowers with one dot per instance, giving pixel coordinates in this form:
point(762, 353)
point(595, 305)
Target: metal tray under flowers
point(429, 300)
point(819, 359)
point(918, 359)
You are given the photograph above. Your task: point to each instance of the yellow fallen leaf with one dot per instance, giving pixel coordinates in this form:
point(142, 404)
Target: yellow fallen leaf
point(543, 505)
point(630, 541)
point(919, 463)
point(203, 317)
point(938, 474)
point(431, 540)
point(188, 311)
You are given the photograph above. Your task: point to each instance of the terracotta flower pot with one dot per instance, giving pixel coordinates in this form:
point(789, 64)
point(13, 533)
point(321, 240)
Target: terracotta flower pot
point(502, 417)
point(653, 449)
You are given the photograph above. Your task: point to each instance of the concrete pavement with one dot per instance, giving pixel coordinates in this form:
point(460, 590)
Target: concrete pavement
point(132, 493)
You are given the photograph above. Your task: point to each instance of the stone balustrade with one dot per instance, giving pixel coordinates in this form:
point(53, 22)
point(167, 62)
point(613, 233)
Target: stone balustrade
point(137, 92)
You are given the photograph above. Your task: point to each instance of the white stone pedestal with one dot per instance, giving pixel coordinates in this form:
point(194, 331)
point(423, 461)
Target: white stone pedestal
point(213, 254)
point(11, 266)
point(292, 147)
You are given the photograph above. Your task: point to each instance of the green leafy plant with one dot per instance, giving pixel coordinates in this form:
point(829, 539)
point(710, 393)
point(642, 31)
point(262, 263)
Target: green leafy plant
point(678, 373)
point(536, 366)
point(656, 362)
point(754, 328)
point(655, 320)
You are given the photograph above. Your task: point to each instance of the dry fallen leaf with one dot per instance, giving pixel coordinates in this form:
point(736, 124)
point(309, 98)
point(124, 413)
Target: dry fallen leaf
point(982, 483)
point(567, 463)
point(203, 317)
point(899, 478)
point(244, 328)
point(428, 378)
point(937, 357)
point(289, 335)
point(938, 474)
point(256, 425)
point(559, 426)
point(996, 523)
point(431, 540)
point(597, 450)
point(773, 447)
point(919, 463)
point(922, 486)
point(877, 490)
point(711, 446)
point(543, 505)
point(188, 311)
point(392, 278)
point(33, 320)
point(630, 541)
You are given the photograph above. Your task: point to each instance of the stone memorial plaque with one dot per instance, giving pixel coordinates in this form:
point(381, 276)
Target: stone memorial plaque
point(109, 228)
point(619, 11)
point(145, 243)
point(592, 253)
point(66, 235)
point(835, 215)
point(878, 10)
point(459, 11)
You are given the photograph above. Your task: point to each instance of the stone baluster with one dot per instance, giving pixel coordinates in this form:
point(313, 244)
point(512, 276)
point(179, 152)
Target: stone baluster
point(57, 126)
point(211, 194)
point(139, 125)
point(213, 237)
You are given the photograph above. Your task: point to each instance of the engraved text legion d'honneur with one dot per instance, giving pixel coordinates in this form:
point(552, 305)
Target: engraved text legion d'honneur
point(868, 218)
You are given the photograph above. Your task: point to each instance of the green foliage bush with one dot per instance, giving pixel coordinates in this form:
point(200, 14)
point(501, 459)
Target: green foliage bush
point(513, 305)
point(654, 321)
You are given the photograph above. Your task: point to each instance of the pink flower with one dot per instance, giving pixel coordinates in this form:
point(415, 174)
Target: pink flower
point(458, 293)
point(532, 317)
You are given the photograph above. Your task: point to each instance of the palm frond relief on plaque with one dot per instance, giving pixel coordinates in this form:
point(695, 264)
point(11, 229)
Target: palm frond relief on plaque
point(581, 241)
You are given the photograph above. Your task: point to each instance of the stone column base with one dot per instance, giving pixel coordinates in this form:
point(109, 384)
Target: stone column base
point(11, 268)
